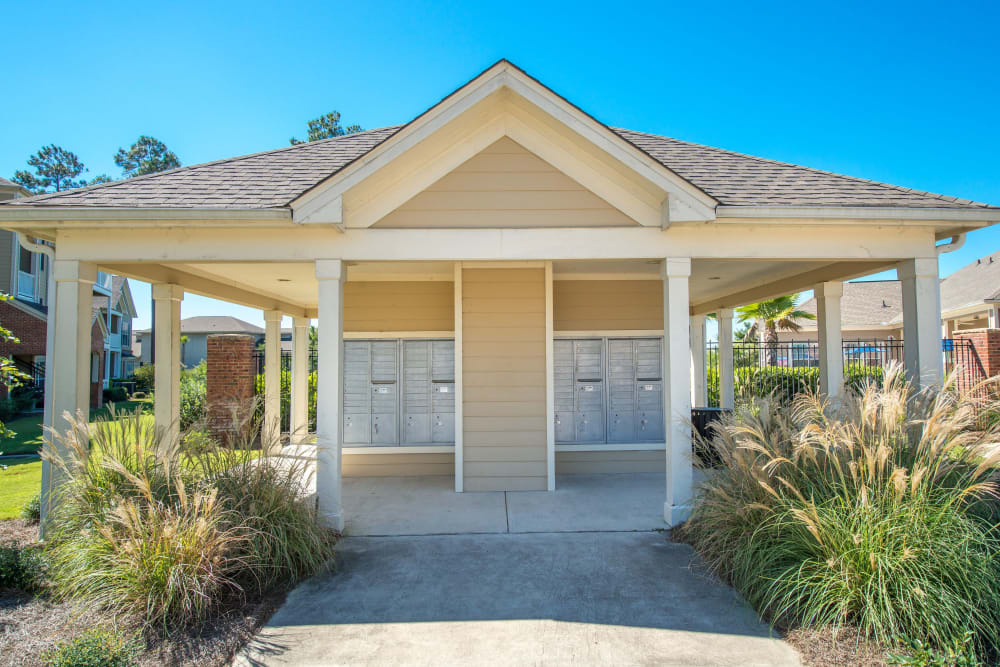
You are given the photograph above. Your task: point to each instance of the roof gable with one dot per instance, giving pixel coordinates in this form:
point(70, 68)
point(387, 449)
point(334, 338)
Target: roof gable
point(972, 284)
point(501, 102)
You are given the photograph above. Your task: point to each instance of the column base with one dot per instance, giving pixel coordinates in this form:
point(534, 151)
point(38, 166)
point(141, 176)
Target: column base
point(332, 520)
point(675, 515)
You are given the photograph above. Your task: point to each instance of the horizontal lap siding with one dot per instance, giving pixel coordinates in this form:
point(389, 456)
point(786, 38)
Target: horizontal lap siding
point(578, 463)
point(398, 465)
point(504, 379)
point(506, 185)
point(399, 306)
point(607, 305)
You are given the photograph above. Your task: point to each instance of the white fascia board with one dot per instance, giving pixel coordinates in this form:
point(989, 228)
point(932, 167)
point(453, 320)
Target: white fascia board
point(804, 214)
point(51, 216)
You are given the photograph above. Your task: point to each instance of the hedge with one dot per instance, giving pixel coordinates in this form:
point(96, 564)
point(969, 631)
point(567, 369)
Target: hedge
point(783, 382)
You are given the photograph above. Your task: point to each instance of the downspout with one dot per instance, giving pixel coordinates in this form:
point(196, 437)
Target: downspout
point(50, 342)
point(953, 244)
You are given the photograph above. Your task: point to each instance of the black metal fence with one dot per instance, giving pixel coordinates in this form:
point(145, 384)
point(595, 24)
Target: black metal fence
point(286, 385)
point(783, 369)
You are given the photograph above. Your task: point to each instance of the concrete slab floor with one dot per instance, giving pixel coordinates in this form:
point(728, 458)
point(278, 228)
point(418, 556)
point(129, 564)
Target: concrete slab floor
point(548, 599)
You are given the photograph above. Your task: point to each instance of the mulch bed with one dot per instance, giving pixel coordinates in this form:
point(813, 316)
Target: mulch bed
point(30, 625)
point(830, 648)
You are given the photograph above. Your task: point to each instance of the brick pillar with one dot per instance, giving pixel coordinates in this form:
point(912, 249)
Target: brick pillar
point(987, 344)
point(229, 382)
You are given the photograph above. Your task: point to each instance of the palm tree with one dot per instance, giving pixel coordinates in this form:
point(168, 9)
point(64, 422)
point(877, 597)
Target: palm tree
point(768, 317)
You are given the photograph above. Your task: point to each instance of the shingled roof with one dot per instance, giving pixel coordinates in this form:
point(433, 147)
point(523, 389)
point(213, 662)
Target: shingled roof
point(975, 283)
point(272, 179)
point(866, 303)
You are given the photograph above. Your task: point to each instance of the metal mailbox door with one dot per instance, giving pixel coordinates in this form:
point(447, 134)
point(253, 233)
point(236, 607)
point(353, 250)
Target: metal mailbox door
point(621, 390)
point(564, 388)
point(649, 390)
point(416, 391)
point(357, 400)
point(589, 372)
point(442, 394)
point(384, 393)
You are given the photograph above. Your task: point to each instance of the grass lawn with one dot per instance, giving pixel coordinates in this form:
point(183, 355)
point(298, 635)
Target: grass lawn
point(23, 477)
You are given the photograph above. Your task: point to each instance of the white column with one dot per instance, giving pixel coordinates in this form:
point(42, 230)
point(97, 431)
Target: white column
point(459, 384)
point(992, 318)
point(550, 393)
point(167, 372)
point(699, 378)
point(68, 368)
point(677, 388)
point(271, 433)
point(921, 320)
point(727, 379)
point(329, 391)
point(831, 344)
point(299, 408)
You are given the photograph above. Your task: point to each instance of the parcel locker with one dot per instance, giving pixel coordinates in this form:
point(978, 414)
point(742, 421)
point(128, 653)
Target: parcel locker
point(371, 397)
point(428, 391)
point(579, 390)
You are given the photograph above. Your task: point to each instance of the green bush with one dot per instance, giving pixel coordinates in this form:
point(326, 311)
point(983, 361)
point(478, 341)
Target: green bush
point(32, 509)
point(115, 395)
point(96, 648)
point(877, 513)
point(782, 383)
point(144, 378)
point(918, 654)
point(140, 529)
point(194, 389)
point(286, 396)
point(21, 568)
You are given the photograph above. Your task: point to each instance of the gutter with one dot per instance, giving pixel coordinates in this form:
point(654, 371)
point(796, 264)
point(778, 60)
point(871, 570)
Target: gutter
point(953, 244)
point(50, 344)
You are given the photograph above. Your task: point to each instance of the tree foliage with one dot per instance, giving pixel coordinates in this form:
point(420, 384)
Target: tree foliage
point(147, 155)
point(55, 167)
point(326, 127)
point(10, 376)
point(768, 317)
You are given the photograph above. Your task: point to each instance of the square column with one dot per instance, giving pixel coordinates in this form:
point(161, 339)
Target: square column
point(921, 320)
point(329, 392)
point(677, 388)
point(831, 343)
point(167, 369)
point(699, 378)
point(298, 425)
point(271, 434)
point(727, 378)
point(68, 384)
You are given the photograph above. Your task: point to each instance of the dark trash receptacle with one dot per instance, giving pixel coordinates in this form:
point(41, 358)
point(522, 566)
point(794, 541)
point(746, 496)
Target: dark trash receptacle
point(701, 421)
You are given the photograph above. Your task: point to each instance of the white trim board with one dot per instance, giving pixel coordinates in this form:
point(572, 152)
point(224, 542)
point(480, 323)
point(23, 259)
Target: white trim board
point(615, 447)
point(378, 335)
point(401, 449)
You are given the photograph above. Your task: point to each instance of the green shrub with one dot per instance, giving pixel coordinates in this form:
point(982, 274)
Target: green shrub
point(138, 529)
point(144, 377)
point(194, 389)
point(918, 654)
point(286, 395)
point(32, 509)
point(876, 513)
point(21, 568)
point(96, 648)
point(115, 395)
point(783, 383)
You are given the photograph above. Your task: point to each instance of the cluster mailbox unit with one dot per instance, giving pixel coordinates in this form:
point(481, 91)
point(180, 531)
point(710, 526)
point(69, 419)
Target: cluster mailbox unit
point(608, 390)
point(399, 392)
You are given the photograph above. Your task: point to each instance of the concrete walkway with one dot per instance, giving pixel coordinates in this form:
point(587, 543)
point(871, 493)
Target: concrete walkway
point(378, 506)
point(514, 599)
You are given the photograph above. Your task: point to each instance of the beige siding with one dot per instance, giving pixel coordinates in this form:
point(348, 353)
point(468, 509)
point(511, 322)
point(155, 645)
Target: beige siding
point(577, 463)
point(399, 306)
point(593, 305)
point(6, 262)
point(398, 465)
point(503, 319)
point(506, 186)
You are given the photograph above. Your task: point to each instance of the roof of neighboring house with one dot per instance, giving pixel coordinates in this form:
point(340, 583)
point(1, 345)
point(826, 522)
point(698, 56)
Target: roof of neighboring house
point(8, 184)
point(974, 283)
point(866, 303)
point(272, 179)
point(209, 324)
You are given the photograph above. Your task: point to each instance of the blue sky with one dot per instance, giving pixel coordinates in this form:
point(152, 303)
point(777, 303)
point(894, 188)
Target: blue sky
point(904, 93)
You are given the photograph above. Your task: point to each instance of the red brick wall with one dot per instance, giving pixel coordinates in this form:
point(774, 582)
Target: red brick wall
point(987, 344)
point(229, 379)
point(28, 328)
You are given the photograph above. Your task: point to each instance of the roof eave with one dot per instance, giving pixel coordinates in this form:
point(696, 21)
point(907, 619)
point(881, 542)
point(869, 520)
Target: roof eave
point(53, 216)
point(975, 217)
